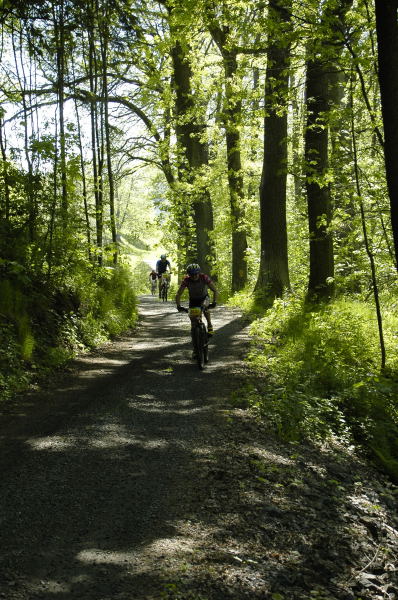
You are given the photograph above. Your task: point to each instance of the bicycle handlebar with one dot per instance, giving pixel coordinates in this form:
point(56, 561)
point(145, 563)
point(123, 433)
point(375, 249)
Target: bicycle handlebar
point(184, 309)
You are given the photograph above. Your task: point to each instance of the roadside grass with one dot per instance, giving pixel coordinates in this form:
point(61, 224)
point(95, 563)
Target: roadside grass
point(43, 326)
point(316, 374)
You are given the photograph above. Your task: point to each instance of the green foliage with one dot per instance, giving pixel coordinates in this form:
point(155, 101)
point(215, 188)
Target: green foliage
point(116, 301)
point(13, 376)
point(42, 326)
point(107, 303)
point(318, 375)
point(13, 306)
point(247, 302)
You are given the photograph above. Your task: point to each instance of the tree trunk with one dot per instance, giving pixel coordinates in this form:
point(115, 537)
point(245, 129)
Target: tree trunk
point(93, 119)
point(273, 276)
point(193, 157)
point(321, 277)
point(366, 240)
point(4, 207)
point(29, 180)
point(60, 40)
point(387, 41)
point(232, 119)
point(232, 116)
point(323, 60)
point(104, 53)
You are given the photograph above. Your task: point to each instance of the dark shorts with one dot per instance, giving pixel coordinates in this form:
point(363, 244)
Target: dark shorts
point(198, 301)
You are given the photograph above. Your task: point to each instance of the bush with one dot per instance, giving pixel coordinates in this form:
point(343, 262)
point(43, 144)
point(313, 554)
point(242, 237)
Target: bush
point(320, 368)
point(42, 326)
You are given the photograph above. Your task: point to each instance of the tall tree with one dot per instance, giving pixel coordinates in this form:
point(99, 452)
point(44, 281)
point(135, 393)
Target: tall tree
point(387, 42)
point(192, 150)
point(273, 276)
point(322, 54)
point(96, 164)
point(59, 30)
point(104, 41)
point(231, 118)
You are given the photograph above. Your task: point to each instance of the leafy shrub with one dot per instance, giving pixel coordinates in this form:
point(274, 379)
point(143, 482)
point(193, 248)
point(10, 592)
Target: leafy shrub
point(43, 325)
point(246, 302)
point(13, 374)
point(114, 300)
point(320, 368)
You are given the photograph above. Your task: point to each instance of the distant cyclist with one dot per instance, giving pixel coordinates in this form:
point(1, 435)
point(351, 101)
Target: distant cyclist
point(197, 284)
point(153, 277)
point(161, 267)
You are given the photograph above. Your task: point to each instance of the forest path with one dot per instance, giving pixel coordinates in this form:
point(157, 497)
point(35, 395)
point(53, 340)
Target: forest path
point(134, 479)
point(96, 485)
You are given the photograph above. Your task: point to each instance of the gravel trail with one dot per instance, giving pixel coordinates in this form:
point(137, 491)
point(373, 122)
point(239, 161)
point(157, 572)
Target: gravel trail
point(96, 488)
point(132, 477)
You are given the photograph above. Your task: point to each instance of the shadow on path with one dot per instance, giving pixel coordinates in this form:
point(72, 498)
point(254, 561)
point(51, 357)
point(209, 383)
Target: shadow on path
point(131, 484)
point(99, 479)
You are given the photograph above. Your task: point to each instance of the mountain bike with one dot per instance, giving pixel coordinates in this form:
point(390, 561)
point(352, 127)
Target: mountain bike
point(164, 288)
point(200, 338)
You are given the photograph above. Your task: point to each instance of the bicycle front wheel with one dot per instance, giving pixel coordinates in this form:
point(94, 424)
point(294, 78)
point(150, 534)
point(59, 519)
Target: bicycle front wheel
point(205, 344)
point(198, 345)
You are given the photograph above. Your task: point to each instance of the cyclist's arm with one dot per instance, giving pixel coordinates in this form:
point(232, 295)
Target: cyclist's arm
point(214, 290)
point(179, 294)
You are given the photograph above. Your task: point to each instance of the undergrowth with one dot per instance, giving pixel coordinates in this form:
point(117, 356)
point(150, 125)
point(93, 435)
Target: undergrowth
point(317, 375)
point(43, 325)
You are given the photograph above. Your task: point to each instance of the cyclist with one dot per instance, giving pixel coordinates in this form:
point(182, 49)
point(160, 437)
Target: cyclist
point(197, 283)
point(153, 277)
point(161, 267)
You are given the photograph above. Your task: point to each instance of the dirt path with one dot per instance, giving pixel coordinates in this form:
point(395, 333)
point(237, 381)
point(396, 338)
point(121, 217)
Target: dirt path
point(136, 480)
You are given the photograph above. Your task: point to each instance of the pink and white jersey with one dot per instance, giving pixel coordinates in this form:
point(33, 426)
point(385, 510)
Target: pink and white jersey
point(196, 289)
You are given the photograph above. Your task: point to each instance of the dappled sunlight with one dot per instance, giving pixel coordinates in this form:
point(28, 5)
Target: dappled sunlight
point(268, 457)
point(55, 443)
point(203, 451)
point(186, 409)
point(100, 440)
point(98, 556)
point(153, 444)
point(172, 545)
point(52, 586)
point(104, 360)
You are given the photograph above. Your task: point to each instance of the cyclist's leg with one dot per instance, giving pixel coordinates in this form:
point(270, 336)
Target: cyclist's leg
point(207, 315)
point(208, 318)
